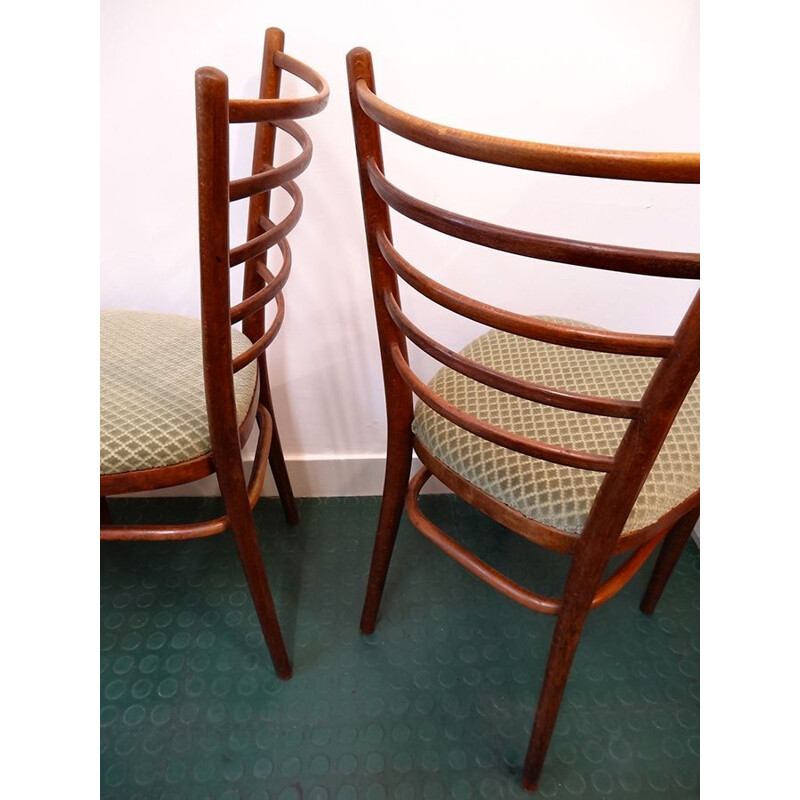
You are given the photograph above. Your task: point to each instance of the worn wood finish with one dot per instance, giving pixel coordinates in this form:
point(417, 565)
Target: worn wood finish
point(634, 260)
point(621, 164)
point(216, 190)
point(649, 418)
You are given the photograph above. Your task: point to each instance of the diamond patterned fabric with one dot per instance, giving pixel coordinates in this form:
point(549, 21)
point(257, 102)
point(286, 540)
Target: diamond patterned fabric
point(551, 493)
point(152, 395)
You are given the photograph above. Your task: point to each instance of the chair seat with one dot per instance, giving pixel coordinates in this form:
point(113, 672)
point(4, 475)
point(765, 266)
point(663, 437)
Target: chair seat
point(152, 395)
point(553, 494)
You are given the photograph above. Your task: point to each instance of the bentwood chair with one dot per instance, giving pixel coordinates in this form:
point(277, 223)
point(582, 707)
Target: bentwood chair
point(179, 397)
point(498, 423)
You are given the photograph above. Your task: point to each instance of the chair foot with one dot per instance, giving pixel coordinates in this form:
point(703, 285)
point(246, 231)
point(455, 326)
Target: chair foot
point(280, 474)
point(671, 550)
point(277, 462)
point(250, 555)
point(395, 486)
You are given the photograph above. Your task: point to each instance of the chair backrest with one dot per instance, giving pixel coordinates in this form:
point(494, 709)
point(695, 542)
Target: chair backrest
point(216, 112)
point(650, 417)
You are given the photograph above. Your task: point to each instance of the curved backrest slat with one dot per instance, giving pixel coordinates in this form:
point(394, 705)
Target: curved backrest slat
point(276, 176)
point(660, 263)
point(650, 417)
point(272, 109)
point(258, 347)
point(272, 286)
point(519, 324)
point(500, 436)
point(571, 401)
point(273, 232)
point(215, 113)
point(619, 164)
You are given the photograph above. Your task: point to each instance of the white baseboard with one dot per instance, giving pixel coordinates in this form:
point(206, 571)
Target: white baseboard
point(323, 476)
point(312, 476)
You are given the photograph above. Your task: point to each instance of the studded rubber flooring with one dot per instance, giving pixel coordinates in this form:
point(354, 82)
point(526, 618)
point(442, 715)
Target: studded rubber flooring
point(437, 703)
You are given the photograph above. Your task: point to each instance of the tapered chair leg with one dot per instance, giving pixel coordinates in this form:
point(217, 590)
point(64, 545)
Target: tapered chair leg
point(250, 555)
point(395, 486)
point(562, 651)
point(671, 550)
point(277, 462)
point(240, 516)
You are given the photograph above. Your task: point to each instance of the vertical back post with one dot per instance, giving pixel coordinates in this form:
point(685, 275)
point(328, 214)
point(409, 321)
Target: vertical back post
point(211, 91)
point(613, 503)
point(399, 404)
point(263, 158)
point(376, 218)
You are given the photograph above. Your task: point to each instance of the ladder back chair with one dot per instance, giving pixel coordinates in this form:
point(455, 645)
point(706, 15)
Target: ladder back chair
point(489, 425)
point(180, 397)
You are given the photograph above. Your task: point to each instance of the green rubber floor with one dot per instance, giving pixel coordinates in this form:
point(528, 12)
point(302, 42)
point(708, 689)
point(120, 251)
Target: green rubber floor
point(437, 703)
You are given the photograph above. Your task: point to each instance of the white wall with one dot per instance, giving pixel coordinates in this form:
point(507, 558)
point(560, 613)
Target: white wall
point(621, 74)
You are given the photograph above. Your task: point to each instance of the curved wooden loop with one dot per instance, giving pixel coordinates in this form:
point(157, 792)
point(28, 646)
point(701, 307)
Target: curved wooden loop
point(608, 407)
point(593, 163)
point(270, 110)
point(547, 605)
point(638, 261)
point(276, 176)
point(499, 436)
point(274, 232)
point(198, 530)
point(274, 284)
point(519, 324)
point(258, 347)
point(521, 595)
point(610, 587)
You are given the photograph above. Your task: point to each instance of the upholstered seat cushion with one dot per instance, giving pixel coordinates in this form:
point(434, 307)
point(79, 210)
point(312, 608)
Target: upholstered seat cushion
point(152, 396)
point(551, 493)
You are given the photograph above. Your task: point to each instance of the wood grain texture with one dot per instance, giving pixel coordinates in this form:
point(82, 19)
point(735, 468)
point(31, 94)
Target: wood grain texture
point(650, 417)
point(215, 112)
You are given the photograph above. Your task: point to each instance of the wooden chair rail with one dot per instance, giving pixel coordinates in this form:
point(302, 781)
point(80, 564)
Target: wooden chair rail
point(276, 176)
point(519, 444)
point(612, 585)
point(638, 261)
point(525, 597)
point(273, 232)
point(593, 163)
point(571, 401)
point(519, 324)
point(537, 532)
point(272, 109)
point(197, 530)
point(272, 287)
point(519, 594)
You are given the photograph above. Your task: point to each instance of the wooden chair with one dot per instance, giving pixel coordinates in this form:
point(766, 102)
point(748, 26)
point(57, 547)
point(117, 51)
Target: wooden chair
point(180, 397)
point(491, 428)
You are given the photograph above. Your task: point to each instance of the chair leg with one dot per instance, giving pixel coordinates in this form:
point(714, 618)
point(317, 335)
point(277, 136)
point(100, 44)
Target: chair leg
point(395, 486)
point(244, 531)
point(562, 650)
point(671, 550)
point(277, 462)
